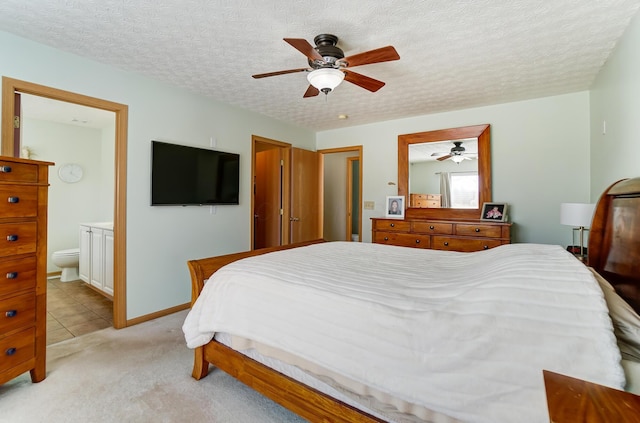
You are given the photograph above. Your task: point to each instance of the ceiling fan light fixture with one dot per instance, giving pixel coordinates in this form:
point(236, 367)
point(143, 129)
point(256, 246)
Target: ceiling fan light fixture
point(457, 159)
point(325, 79)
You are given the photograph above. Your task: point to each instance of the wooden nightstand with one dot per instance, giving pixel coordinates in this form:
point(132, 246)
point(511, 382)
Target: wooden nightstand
point(573, 400)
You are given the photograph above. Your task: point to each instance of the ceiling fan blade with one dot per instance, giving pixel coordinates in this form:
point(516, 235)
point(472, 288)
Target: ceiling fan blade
point(304, 47)
point(444, 157)
point(264, 75)
point(311, 92)
point(384, 54)
point(365, 82)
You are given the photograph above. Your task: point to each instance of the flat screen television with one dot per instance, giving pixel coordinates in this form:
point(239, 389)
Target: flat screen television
point(183, 175)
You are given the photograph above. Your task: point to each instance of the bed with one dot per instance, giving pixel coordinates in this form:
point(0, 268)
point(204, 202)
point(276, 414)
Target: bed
point(566, 328)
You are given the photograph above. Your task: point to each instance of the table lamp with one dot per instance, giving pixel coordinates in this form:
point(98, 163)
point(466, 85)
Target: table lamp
point(579, 216)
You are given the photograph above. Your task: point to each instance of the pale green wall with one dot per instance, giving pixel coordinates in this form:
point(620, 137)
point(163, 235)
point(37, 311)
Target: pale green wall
point(160, 240)
point(615, 98)
point(540, 158)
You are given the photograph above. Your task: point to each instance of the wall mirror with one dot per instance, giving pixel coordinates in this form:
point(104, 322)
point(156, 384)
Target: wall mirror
point(477, 143)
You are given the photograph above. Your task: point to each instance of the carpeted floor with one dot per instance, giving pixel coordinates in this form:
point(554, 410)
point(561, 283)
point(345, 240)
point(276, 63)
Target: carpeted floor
point(138, 374)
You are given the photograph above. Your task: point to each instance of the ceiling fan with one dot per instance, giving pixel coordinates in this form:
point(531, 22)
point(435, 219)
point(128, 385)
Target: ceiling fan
point(328, 66)
point(456, 154)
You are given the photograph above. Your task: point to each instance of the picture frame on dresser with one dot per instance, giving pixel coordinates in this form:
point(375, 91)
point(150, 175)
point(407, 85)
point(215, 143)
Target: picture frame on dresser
point(494, 212)
point(394, 207)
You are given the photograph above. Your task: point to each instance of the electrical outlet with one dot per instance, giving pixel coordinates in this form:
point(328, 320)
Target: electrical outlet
point(369, 205)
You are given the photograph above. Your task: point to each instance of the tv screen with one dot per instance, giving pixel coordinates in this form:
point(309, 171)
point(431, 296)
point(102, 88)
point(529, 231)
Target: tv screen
point(183, 175)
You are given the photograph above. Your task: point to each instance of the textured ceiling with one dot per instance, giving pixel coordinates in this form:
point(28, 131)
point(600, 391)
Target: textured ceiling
point(453, 54)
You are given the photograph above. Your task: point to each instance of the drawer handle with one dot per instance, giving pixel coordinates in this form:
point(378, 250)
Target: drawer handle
point(12, 275)
point(12, 237)
point(431, 227)
point(386, 238)
point(13, 200)
point(446, 244)
point(11, 351)
point(417, 241)
point(477, 229)
point(393, 225)
point(486, 247)
point(11, 313)
point(5, 169)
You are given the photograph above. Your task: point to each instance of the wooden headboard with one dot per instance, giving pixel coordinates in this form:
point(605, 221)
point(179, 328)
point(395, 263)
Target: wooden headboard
point(614, 240)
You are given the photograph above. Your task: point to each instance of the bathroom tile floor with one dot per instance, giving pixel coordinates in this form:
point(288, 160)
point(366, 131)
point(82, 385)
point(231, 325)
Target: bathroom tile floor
point(74, 309)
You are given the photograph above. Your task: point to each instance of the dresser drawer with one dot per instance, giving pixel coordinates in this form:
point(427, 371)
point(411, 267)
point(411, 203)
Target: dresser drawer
point(17, 275)
point(433, 227)
point(17, 348)
point(17, 312)
point(433, 204)
point(17, 238)
point(392, 225)
point(402, 239)
point(488, 231)
point(18, 201)
point(462, 244)
point(18, 172)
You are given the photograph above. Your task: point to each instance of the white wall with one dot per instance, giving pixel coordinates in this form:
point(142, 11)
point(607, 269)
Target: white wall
point(83, 201)
point(160, 240)
point(540, 158)
point(615, 98)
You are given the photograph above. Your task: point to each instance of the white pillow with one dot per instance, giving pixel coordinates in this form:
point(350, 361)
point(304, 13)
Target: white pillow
point(626, 322)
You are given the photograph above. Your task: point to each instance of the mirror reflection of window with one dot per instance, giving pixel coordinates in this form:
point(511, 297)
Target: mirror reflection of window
point(464, 190)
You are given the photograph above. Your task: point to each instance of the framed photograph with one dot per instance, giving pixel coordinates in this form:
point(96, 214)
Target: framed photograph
point(395, 206)
point(496, 212)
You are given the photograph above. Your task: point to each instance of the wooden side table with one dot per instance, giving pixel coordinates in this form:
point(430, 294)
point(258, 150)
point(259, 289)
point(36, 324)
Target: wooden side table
point(573, 400)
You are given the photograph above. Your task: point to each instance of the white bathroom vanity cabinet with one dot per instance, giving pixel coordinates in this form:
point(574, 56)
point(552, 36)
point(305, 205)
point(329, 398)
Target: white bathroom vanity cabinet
point(96, 256)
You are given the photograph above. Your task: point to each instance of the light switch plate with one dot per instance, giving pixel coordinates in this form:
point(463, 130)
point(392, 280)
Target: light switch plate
point(369, 205)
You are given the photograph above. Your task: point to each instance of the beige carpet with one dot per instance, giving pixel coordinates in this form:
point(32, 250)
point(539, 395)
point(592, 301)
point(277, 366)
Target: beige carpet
point(137, 374)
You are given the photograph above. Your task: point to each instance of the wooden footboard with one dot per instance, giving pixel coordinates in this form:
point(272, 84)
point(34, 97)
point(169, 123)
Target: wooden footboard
point(202, 269)
point(301, 399)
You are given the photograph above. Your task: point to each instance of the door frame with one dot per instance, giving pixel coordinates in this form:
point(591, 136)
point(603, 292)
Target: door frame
point(350, 161)
point(11, 86)
point(258, 144)
point(355, 149)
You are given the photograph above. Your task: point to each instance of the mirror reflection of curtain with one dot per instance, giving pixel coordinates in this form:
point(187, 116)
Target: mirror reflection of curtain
point(445, 189)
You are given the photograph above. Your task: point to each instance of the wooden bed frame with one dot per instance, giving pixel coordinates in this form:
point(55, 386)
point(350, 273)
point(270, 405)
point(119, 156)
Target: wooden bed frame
point(614, 251)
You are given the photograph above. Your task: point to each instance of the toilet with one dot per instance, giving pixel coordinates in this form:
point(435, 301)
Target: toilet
point(68, 261)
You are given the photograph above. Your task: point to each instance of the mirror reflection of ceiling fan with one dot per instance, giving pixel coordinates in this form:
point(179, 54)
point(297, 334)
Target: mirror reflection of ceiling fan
point(328, 67)
point(457, 154)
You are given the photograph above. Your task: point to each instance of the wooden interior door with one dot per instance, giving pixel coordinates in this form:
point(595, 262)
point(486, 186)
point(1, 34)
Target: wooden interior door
point(268, 208)
point(305, 216)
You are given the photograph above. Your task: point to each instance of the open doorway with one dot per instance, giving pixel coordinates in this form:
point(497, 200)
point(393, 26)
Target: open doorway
point(342, 193)
point(286, 200)
point(11, 88)
point(269, 183)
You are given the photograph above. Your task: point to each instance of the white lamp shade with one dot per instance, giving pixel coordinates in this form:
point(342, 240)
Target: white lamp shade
point(576, 214)
point(325, 79)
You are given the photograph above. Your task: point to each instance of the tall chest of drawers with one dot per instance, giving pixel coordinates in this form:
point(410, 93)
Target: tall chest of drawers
point(23, 267)
point(441, 234)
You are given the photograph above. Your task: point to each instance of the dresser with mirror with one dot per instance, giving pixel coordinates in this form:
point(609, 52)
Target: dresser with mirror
point(426, 163)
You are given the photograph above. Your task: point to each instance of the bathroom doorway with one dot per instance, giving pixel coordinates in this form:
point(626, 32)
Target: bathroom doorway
point(12, 88)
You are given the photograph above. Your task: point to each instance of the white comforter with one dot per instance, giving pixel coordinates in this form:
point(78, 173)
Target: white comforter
point(463, 334)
